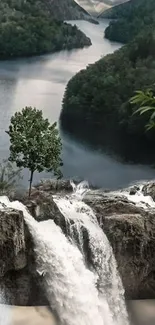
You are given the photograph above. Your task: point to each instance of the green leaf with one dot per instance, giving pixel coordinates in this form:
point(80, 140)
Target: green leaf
point(35, 144)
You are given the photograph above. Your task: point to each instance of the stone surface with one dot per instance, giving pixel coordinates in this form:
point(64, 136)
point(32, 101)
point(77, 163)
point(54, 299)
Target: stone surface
point(12, 241)
point(131, 232)
point(134, 189)
point(21, 288)
point(18, 279)
point(149, 189)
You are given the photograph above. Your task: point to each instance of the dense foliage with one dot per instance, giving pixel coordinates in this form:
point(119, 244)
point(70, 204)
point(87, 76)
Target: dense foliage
point(27, 28)
point(96, 103)
point(35, 144)
point(130, 19)
point(146, 102)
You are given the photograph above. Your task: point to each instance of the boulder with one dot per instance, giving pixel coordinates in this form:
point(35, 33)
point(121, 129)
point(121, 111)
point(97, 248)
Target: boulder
point(134, 190)
point(149, 189)
point(54, 186)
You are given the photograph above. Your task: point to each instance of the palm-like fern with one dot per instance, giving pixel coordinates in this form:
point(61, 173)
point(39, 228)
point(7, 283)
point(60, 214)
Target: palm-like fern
point(146, 102)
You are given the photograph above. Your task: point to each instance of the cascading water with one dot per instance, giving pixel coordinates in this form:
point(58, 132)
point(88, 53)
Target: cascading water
point(70, 286)
point(78, 215)
point(79, 296)
point(141, 200)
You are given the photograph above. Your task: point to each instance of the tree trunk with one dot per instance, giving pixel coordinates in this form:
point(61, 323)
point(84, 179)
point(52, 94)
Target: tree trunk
point(31, 180)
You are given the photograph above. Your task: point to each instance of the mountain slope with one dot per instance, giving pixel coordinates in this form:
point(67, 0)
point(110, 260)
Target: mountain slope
point(66, 10)
point(132, 18)
point(28, 28)
point(96, 103)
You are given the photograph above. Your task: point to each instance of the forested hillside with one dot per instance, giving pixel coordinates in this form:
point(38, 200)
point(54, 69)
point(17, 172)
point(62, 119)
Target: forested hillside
point(28, 28)
point(132, 17)
point(96, 103)
point(66, 10)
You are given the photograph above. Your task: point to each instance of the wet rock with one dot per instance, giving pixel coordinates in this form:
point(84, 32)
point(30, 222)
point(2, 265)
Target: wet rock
point(19, 281)
point(20, 288)
point(134, 190)
point(131, 232)
point(12, 241)
point(53, 186)
point(149, 189)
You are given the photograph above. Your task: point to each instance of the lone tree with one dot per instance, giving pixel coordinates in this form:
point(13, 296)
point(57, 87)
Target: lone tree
point(35, 144)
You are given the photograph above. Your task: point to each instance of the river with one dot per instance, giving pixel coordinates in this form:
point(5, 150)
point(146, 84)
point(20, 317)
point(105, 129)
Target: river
point(40, 82)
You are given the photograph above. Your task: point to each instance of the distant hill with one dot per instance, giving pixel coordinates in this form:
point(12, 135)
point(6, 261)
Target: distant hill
point(31, 27)
point(96, 7)
point(132, 17)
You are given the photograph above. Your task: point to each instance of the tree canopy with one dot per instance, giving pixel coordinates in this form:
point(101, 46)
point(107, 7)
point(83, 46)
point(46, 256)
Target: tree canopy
point(130, 18)
point(97, 99)
point(27, 28)
point(35, 144)
point(146, 102)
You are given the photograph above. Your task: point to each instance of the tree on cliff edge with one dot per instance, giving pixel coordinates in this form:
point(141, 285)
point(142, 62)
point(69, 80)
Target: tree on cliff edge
point(35, 144)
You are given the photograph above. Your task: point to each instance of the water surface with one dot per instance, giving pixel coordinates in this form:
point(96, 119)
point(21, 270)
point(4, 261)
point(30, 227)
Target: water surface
point(40, 82)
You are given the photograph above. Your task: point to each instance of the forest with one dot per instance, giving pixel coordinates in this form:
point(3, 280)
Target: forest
point(98, 98)
point(130, 19)
point(27, 28)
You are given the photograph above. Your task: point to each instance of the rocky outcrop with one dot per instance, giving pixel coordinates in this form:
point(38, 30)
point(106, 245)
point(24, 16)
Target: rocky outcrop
point(149, 189)
point(12, 241)
point(131, 232)
point(129, 228)
point(19, 282)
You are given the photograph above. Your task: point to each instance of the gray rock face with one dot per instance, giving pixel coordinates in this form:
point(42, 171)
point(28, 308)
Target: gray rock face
point(12, 241)
point(131, 232)
point(149, 189)
point(18, 278)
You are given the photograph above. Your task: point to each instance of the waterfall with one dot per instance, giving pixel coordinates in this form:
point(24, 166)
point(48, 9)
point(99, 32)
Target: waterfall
point(79, 295)
point(79, 215)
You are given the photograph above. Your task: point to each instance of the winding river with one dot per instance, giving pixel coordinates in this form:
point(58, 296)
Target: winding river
point(40, 82)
